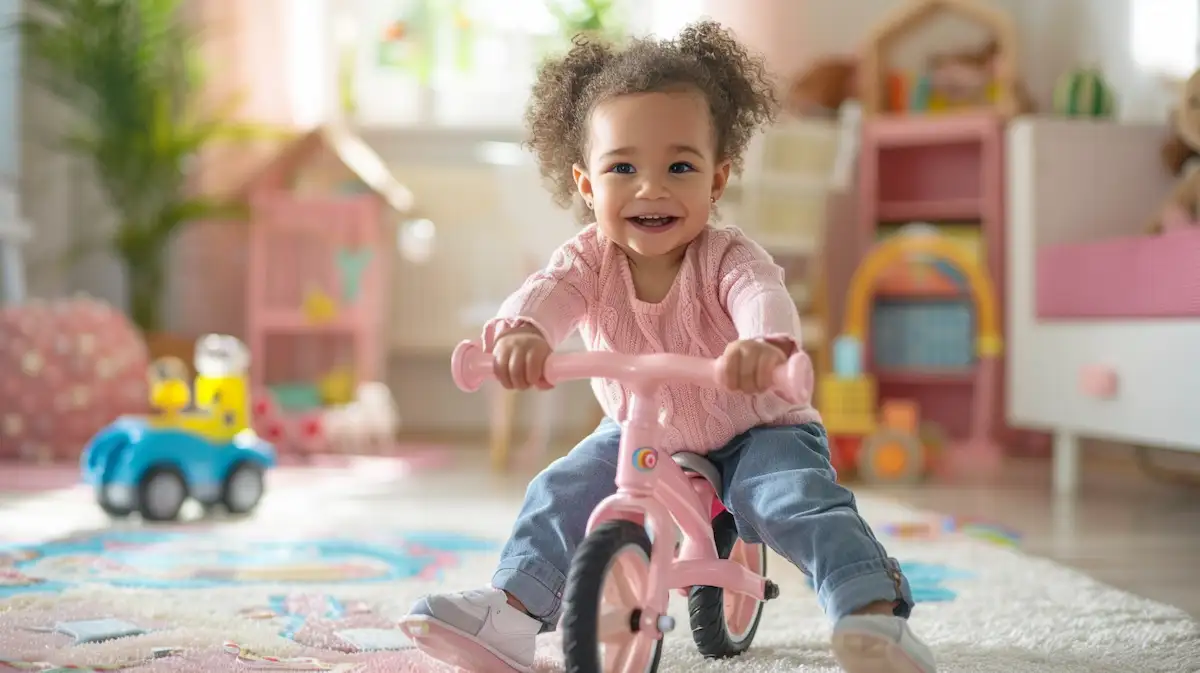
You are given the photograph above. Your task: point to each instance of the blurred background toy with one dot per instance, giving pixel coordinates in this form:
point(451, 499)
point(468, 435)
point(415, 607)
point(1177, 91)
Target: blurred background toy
point(822, 88)
point(886, 440)
point(199, 445)
point(368, 424)
point(1086, 93)
point(1180, 153)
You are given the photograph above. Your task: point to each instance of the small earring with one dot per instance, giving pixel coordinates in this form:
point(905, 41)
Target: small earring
point(588, 203)
point(712, 200)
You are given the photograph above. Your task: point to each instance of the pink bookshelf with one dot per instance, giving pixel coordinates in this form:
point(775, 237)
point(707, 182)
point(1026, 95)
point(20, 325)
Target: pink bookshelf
point(938, 170)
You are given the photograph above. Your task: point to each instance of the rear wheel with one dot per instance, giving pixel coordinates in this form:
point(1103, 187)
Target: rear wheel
point(724, 623)
point(602, 606)
point(161, 494)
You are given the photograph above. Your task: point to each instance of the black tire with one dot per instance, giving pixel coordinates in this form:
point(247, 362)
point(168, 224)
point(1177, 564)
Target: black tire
point(109, 508)
point(153, 485)
point(706, 605)
point(585, 584)
point(242, 475)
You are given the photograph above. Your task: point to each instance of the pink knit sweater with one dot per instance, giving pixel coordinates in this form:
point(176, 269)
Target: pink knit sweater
point(728, 288)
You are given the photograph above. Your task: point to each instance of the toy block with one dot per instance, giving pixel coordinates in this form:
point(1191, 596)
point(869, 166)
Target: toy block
point(847, 357)
point(901, 415)
point(848, 395)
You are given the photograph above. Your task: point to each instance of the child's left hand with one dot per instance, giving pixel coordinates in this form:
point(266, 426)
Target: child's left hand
point(747, 365)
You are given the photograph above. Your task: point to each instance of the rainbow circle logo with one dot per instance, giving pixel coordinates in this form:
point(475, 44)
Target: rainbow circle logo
point(645, 459)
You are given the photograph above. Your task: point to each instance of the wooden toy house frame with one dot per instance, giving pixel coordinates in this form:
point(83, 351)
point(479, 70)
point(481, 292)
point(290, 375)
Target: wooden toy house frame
point(279, 216)
point(873, 68)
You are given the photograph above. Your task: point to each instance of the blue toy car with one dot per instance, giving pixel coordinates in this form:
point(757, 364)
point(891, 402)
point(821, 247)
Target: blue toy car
point(136, 466)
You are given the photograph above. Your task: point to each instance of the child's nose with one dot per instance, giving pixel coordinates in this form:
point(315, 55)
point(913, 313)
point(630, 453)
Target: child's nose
point(652, 188)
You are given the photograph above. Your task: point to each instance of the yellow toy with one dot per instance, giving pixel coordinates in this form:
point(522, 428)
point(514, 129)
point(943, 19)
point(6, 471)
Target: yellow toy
point(319, 307)
point(221, 399)
point(890, 447)
point(337, 387)
point(169, 390)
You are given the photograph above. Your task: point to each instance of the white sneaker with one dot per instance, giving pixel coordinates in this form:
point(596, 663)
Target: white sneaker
point(880, 644)
point(477, 630)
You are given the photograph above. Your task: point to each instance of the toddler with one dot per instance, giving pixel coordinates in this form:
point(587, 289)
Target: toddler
point(644, 138)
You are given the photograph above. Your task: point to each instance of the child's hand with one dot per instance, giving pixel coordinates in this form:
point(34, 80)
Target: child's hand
point(521, 359)
point(748, 365)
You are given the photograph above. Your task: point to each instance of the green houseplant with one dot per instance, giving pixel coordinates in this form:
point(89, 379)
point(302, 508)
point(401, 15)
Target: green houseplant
point(597, 18)
point(129, 72)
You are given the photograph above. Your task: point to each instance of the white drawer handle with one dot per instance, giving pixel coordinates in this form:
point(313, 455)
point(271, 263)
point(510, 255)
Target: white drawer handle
point(1098, 381)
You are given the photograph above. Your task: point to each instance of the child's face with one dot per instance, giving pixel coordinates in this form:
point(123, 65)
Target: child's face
point(652, 171)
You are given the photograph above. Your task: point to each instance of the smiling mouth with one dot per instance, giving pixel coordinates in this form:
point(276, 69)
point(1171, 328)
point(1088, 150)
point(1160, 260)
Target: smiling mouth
point(653, 221)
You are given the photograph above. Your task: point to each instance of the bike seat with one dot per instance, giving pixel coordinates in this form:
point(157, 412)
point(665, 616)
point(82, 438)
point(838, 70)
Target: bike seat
point(696, 464)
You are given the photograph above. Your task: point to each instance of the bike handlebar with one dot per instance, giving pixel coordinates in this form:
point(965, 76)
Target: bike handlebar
point(471, 366)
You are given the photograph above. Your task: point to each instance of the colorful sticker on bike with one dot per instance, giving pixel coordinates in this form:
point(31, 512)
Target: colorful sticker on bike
point(645, 459)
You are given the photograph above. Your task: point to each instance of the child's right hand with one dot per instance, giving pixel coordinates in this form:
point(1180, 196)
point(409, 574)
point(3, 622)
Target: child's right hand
point(520, 359)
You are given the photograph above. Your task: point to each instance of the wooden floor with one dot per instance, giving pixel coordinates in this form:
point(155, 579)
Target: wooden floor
point(1124, 529)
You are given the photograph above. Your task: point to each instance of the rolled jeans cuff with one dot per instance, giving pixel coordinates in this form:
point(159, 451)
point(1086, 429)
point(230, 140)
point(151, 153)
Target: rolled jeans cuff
point(856, 586)
point(537, 584)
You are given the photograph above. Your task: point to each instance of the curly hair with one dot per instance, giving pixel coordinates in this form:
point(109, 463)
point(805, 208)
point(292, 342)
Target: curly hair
point(704, 57)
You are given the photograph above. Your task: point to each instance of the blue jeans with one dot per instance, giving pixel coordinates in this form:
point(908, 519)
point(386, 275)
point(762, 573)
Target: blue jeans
point(777, 482)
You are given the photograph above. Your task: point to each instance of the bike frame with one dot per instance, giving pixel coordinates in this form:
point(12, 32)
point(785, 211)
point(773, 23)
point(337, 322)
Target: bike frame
point(651, 486)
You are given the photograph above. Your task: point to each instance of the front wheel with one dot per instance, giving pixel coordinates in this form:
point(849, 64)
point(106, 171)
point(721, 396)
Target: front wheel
point(724, 623)
point(161, 494)
point(602, 606)
point(110, 506)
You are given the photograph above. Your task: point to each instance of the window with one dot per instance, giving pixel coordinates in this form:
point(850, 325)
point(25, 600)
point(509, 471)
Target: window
point(1165, 36)
point(309, 77)
point(437, 62)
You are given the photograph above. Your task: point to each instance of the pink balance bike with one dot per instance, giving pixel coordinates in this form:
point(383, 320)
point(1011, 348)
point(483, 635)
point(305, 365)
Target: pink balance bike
point(665, 527)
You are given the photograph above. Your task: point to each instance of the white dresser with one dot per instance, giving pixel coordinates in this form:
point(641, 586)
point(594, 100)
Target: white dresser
point(1128, 380)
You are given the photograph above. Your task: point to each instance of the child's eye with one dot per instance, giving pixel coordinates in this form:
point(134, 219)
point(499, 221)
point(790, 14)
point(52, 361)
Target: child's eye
point(682, 167)
point(626, 169)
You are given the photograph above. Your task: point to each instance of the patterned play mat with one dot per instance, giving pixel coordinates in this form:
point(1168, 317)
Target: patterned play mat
point(299, 593)
point(100, 593)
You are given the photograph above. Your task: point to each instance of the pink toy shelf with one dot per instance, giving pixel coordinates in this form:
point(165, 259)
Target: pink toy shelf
point(319, 261)
point(1126, 277)
point(946, 172)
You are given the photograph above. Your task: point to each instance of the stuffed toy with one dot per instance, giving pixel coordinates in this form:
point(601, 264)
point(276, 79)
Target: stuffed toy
point(821, 90)
point(1180, 155)
point(965, 78)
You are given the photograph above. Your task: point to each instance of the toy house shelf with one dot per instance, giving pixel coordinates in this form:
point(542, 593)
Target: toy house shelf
point(319, 265)
point(946, 172)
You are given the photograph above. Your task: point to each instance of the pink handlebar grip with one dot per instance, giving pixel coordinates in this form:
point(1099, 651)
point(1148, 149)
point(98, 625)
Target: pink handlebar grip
point(795, 379)
point(471, 366)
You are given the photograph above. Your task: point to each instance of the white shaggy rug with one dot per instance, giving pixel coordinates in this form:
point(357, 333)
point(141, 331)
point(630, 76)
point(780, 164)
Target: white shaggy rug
point(316, 562)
